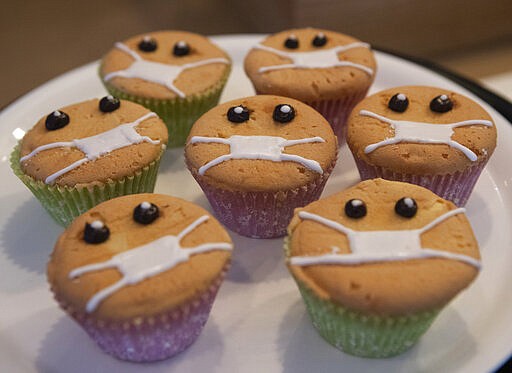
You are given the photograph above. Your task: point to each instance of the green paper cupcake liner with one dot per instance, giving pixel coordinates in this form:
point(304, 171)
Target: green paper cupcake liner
point(179, 114)
point(66, 203)
point(363, 335)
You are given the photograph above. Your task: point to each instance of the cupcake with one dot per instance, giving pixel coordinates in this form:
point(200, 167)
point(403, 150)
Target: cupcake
point(258, 158)
point(86, 153)
point(178, 75)
point(377, 262)
point(140, 273)
point(427, 136)
point(327, 70)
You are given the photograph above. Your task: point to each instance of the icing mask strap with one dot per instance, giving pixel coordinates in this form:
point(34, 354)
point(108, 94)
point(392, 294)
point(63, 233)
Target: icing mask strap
point(442, 218)
point(123, 47)
point(327, 222)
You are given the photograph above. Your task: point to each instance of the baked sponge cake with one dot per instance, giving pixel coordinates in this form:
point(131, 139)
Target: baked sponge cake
point(258, 158)
point(83, 154)
point(377, 262)
point(427, 136)
point(179, 75)
point(140, 273)
point(327, 70)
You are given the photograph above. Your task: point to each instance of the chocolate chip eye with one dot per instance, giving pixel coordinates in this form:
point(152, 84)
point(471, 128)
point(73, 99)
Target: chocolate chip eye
point(148, 44)
point(406, 207)
point(109, 104)
point(284, 113)
point(355, 208)
point(181, 48)
point(398, 103)
point(96, 232)
point(291, 42)
point(145, 213)
point(441, 104)
point(319, 40)
point(238, 114)
point(56, 120)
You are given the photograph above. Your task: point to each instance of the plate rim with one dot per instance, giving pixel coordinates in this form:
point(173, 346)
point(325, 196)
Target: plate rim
point(471, 86)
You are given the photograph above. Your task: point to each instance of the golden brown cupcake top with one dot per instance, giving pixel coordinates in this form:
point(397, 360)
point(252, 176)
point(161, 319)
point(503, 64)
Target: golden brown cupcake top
point(254, 150)
point(398, 286)
point(49, 152)
point(183, 50)
point(302, 47)
point(159, 291)
point(440, 131)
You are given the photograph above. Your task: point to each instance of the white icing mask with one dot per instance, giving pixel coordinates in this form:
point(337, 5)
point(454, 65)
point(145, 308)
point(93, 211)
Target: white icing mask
point(97, 145)
point(380, 246)
point(324, 58)
point(424, 133)
point(268, 148)
point(157, 72)
point(146, 261)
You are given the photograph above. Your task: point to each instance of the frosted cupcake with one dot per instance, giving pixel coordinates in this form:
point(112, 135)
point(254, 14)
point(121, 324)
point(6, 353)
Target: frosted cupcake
point(327, 70)
point(178, 75)
point(140, 273)
point(427, 136)
point(258, 158)
point(377, 262)
point(86, 153)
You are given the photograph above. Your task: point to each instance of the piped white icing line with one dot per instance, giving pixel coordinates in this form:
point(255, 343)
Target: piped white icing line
point(268, 148)
point(95, 146)
point(324, 58)
point(381, 246)
point(424, 133)
point(157, 72)
point(146, 261)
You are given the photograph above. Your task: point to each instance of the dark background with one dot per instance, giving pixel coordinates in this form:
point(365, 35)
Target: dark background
point(42, 39)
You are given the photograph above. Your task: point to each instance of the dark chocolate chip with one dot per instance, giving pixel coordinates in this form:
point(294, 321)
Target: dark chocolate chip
point(238, 114)
point(145, 213)
point(96, 232)
point(441, 104)
point(319, 40)
point(109, 104)
point(180, 49)
point(406, 207)
point(291, 42)
point(56, 120)
point(398, 103)
point(148, 44)
point(284, 113)
point(355, 208)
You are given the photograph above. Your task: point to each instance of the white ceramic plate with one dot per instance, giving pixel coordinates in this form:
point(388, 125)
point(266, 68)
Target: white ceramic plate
point(258, 323)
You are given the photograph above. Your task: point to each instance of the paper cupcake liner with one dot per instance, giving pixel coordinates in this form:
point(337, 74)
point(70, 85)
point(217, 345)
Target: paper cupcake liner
point(179, 114)
point(362, 335)
point(65, 203)
point(260, 214)
point(336, 112)
point(153, 338)
point(456, 187)
point(365, 335)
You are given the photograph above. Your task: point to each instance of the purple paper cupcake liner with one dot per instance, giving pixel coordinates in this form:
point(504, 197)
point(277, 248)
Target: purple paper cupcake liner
point(261, 214)
point(336, 112)
point(147, 339)
point(456, 187)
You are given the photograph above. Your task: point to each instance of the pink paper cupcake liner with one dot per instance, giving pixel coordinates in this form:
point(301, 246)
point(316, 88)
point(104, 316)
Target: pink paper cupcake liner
point(336, 112)
point(456, 187)
point(146, 339)
point(261, 214)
